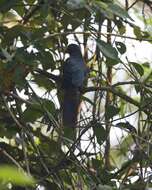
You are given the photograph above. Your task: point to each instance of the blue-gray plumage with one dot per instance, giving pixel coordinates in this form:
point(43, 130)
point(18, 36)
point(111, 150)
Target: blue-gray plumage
point(74, 74)
point(74, 70)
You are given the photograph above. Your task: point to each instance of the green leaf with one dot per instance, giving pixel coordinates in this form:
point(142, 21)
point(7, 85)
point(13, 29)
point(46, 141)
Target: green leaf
point(51, 148)
point(69, 134)
point(108, 50)
point(84, 98)
point(102, 4)
point(121, 47)
point(120, 25)
point(111, 111)
point(102, 8)
point(6, 5)
point(44, 82)
point(97, 164)
point(117, 10)
point(19, 76)
point(25, 57)
point(137, 32)
point(147, 101)
point(49, 106)
point(111, 62)
point(15, 176)
point(32, 113)
point(138, 68)
point(126, 125)
point(104, 187)
point(46, 59)
point(76, 4)
point(100, 133)
point(35, 111)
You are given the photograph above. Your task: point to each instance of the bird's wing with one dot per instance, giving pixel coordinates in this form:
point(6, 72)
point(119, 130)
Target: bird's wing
point(78, 78)
point(77, 67)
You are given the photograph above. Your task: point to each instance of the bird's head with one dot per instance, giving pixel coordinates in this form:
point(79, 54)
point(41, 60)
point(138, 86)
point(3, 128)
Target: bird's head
point(73, 49)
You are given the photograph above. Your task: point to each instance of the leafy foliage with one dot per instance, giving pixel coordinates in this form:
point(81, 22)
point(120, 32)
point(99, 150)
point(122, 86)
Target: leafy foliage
point(12, 175)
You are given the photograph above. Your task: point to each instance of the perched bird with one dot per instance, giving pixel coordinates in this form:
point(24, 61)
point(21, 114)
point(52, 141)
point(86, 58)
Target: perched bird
point(74, 74)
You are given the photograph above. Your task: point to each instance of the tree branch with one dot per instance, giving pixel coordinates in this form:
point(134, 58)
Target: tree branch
point(51, 76)
point(95, 33)
point(31, 12)
point(11, 158)
point(115, 92)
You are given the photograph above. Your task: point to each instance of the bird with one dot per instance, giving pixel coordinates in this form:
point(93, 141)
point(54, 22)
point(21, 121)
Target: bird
point(74, 75)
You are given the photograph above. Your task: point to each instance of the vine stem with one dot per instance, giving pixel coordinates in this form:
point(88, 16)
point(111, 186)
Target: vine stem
point(109, 98)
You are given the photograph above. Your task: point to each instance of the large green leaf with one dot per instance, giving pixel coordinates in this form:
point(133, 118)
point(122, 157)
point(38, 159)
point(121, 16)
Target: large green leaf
point(44, 82)
point(138, 68)
point(15, 176)
point(100, 133)
point(119, 11)
point(84, 98)
point(138, 32)
point(47, 60)
point(108, 50)
point(111, 111)
point(36, 110)
point(32, 113)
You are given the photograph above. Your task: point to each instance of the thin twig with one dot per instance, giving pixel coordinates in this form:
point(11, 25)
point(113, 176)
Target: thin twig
point(11, 113)
point(11, 158)
point(49, 75)
point(95, 33)
point(114, 91)
point(25, 152)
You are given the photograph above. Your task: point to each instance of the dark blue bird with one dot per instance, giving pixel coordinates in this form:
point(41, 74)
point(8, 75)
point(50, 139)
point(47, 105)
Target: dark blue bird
point(74, 74)
point(74, 69)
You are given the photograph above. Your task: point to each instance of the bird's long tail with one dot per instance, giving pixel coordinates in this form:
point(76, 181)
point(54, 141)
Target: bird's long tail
point(71, 105)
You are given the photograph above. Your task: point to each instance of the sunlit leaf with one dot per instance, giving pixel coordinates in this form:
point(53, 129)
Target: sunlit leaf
point(15, 176)
point(137, 32)
point(120, 25)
